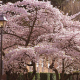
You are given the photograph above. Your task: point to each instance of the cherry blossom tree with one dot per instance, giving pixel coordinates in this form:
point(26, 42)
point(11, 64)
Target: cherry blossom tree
point(25, 22)
point(38, 24)
point(29, 19)
point(66, 43)
point(16, 61)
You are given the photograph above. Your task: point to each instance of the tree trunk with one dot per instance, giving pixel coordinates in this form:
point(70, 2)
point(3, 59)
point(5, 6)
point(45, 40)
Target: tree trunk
point(34, 70)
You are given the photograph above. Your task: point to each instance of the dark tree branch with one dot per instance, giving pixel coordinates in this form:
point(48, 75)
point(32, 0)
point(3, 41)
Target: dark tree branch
point(15, 35)
point(56, 72)
point(62, 75)
point(54, 69)
point(3, 53)
point(31, 30)
point(69, 65)
point(34, 70)
point(29, 64)
point(13, 45)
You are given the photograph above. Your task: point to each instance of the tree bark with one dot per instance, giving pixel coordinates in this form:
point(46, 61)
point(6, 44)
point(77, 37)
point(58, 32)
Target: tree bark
point(34, 70)
point(54, 69)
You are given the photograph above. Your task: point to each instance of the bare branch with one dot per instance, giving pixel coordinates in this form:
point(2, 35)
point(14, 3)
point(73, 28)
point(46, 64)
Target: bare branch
point(13, 45)
point(15, 35)
point(69, 65)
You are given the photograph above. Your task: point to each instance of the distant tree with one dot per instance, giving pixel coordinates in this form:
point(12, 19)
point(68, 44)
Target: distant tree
point(72, 7)
point(56, 3)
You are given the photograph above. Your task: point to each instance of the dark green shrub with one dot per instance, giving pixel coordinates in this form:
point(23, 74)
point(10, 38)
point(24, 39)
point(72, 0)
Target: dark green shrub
point(59, 75)
point(44, 76)
point(52, 76)
point(20, 77)
point(29, 75)
point(48, 76)
point(13, 76)
point(70, 77)
point(37, 76)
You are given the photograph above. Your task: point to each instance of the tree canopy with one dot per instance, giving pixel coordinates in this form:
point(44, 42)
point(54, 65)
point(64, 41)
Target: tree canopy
point(36, 30)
